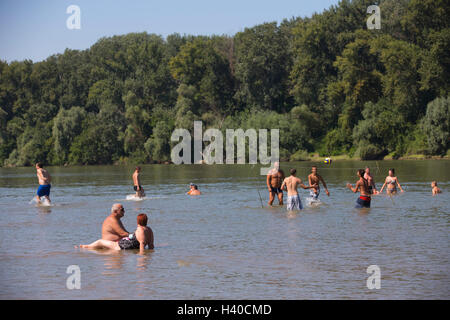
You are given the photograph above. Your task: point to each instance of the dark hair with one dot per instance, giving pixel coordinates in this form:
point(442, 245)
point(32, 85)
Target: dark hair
point(39, 164)
point(314, 167)
point(361, 174)
point(138, 168)
point(195, 187)
point(292, 171)
point(142, 219)
point(393, 170)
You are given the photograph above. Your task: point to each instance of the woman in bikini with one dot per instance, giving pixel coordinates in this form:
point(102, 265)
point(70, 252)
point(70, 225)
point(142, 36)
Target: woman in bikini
point(391, 181)
point(143, 236)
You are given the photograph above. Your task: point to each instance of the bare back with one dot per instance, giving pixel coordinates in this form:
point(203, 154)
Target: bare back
point(363, 187)
point(292, 184)
point(145, 235)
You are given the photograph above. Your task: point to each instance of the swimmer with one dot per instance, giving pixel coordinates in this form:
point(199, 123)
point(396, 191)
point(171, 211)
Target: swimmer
point(112, 228)
point(314, 179)
point(194, 190)
point(369, 179)
point(362, 185)
point(137, 183)
point(274, 180)
point(434, 188)
point(390, 181)
point(291, 183)
point(142, 237)
point(44, 179)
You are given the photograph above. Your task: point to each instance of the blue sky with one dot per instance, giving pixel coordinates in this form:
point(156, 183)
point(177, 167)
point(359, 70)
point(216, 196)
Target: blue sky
point(37, 29)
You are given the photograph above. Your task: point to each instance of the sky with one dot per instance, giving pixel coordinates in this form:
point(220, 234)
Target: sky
point(37, 29)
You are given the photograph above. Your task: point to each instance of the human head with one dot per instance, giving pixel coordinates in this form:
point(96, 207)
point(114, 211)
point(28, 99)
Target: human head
point(433, 184)
point(191, 185)
point(276, 165)
point(367, 170)
point(314, 169)
point(361, 173)
point(142, 219)
point(39, 165)
point(138, 169)
point(195, 187)
point(118, 209)
point(293, 172)
point(392, 172)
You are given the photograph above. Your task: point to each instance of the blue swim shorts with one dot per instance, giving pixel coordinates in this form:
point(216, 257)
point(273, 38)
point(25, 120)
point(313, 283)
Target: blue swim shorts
point(44, 190)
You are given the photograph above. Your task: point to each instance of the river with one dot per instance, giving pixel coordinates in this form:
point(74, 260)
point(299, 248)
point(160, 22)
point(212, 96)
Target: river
point(226, 244)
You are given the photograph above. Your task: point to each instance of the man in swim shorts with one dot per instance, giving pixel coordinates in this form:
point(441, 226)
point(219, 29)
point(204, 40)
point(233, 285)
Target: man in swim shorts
point(362, 185)
point(44, 179)
point(137, 183)
point(112, 228)
point(314, 179)
point(274, 180)
point(291, 183)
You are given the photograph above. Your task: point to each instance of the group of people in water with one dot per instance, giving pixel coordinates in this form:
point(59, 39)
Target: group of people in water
point(277, 183)
point(115, 236)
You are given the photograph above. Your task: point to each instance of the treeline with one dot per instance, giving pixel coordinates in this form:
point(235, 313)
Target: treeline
point(330, 85)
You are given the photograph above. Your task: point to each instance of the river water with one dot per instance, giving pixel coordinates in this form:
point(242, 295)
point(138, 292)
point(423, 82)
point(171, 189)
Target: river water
point(224, 244)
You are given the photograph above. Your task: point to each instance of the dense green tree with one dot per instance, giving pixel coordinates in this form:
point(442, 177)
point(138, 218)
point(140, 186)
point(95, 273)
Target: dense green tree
point(201, 67)
point(436, 125)
point(66, 126)
point(329, 84)
point(262, 66)
point(380, 132)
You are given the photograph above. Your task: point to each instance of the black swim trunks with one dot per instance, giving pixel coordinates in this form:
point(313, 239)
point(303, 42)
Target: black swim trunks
point(363, 202)
point(129, 242)
point(276, 190)
point(140, 187)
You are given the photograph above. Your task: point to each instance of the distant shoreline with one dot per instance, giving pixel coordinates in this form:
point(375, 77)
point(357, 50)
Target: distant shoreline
point(311, 159)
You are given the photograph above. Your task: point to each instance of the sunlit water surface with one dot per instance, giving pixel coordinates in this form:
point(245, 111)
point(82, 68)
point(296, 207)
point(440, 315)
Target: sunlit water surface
point(223, 244)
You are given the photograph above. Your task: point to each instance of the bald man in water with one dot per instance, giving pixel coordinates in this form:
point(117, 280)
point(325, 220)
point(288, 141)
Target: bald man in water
point(274, 180)
point(112, 228)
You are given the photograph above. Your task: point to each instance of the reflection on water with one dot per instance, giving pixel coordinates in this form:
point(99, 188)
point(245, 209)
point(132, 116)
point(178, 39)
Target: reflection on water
point(223, 245)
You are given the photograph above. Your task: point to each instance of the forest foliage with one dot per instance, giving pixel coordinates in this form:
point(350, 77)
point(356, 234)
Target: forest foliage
point(327, 82)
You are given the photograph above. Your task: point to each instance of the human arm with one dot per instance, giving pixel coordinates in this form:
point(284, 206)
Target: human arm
point(140, 236)
point(268, 182)
point(119, 229)
point(300, 183)
point(381, 190)
point(399, 186)
point(283, 185)
point(355, 189)
point(324, 185)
